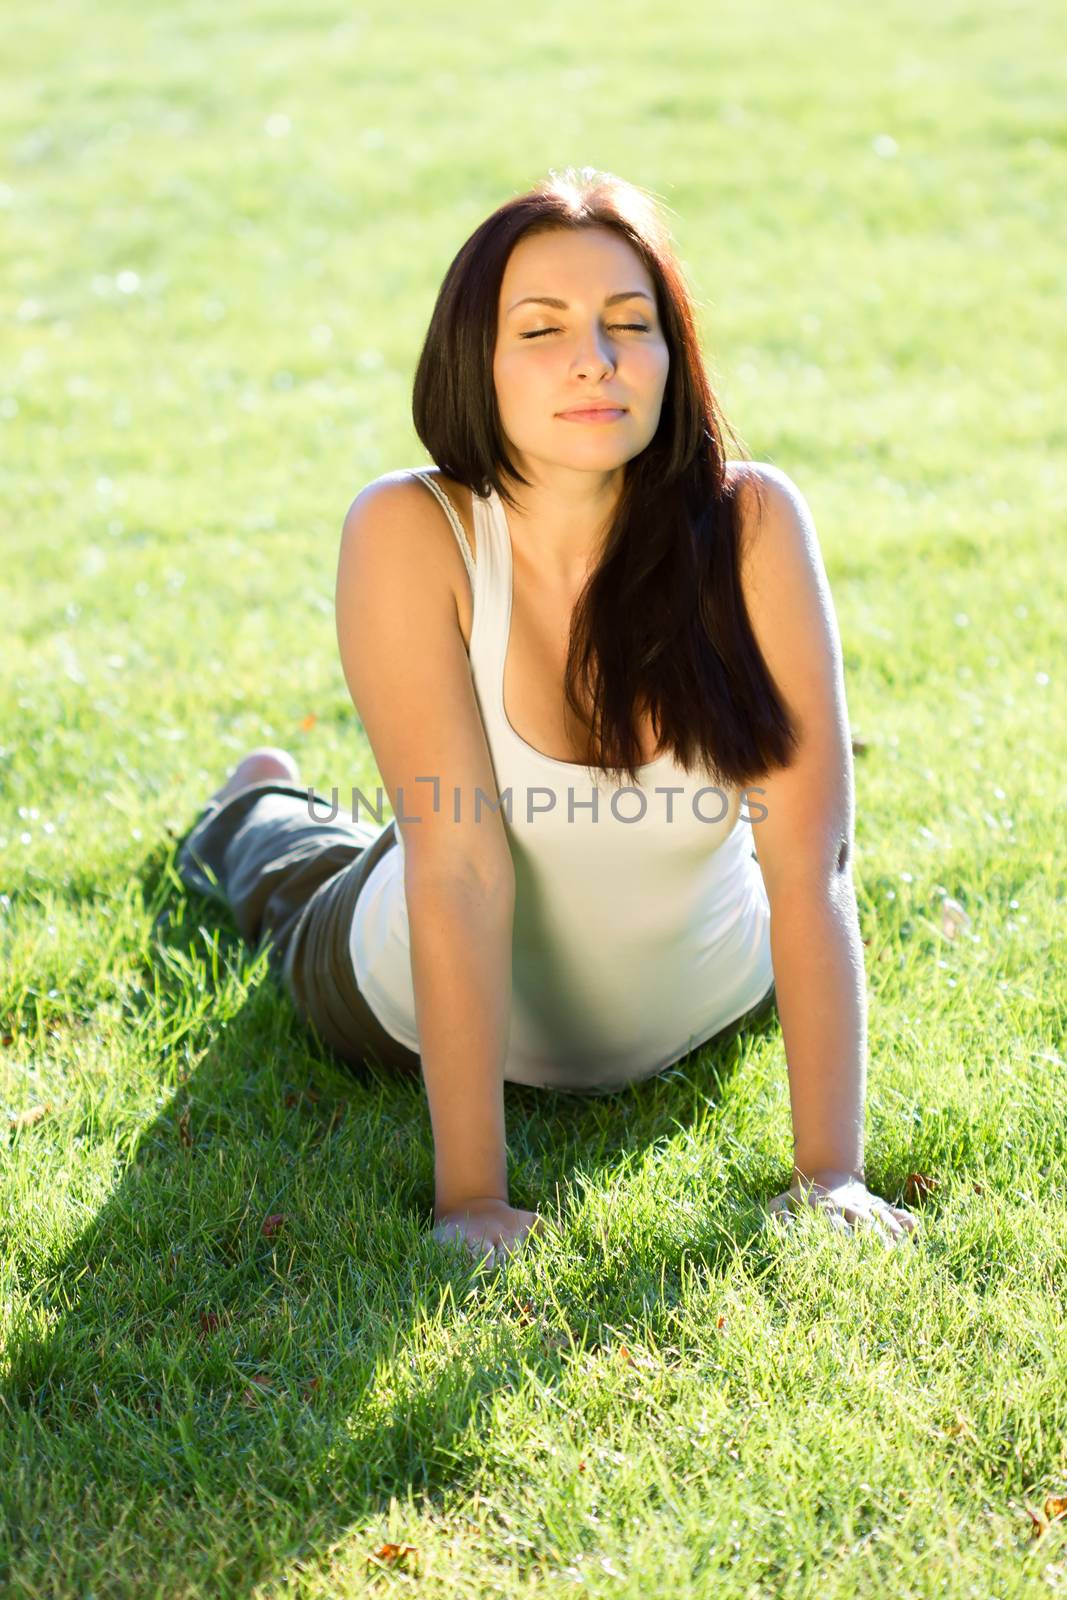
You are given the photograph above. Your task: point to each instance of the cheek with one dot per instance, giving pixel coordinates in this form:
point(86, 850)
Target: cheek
point(659, 360)
point(519, 381)
point(504, 381)
point(658, 375)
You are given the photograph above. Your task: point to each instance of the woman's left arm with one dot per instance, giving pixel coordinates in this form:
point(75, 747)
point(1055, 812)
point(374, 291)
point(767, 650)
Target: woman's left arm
point(804, 840)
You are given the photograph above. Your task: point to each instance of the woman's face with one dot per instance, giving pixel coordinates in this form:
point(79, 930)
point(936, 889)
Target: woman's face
point(552, 358)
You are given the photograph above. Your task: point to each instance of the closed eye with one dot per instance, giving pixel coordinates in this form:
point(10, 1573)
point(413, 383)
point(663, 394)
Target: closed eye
point(636, 327)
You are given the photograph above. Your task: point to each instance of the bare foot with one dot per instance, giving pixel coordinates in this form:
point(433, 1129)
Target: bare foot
point(263, 765)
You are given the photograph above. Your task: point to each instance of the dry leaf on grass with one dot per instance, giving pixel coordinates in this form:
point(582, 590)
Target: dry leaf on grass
point(917, 1185)
point(395, 1554)
point(1054, 1510)
point(26, 1118)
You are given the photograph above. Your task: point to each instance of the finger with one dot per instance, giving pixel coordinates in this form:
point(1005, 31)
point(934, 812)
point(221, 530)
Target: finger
point(868, 1219)
point(889, 1222)
point(902, 1222)
point(901, 1219)
point(876, 1215)
point(844, 1218)
point(847, 1219)
point(480, 1247)
point(908, 1230)
point(452, 1234)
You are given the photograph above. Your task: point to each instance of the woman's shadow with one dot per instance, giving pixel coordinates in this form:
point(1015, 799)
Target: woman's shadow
point(222, 1374)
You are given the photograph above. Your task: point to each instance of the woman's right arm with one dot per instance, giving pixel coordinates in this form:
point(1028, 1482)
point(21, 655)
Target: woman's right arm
point(407, 670)
point(461, 969)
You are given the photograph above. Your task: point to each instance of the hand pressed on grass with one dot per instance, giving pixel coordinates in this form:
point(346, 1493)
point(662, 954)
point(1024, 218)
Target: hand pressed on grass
point(848, 1205)
point(488, 1227)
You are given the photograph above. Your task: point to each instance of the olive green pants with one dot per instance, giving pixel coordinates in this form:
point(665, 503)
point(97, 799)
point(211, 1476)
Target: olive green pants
point(290, 881)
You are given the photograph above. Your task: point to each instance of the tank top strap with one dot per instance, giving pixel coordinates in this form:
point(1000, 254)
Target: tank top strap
point(453, 516)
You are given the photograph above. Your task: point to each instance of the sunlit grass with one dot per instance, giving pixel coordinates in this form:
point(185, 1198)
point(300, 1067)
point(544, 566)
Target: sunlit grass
point(222, 234)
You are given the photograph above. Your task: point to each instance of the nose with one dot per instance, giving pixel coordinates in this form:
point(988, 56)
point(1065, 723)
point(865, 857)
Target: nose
point(593, 354)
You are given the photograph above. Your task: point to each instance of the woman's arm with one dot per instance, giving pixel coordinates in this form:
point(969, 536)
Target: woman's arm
point(821, 992)
point(407, 670)
point(804, 844)
point(461, 969)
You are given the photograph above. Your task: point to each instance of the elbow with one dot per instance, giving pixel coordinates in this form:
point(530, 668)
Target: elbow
point(826, 875)
point(482, 878)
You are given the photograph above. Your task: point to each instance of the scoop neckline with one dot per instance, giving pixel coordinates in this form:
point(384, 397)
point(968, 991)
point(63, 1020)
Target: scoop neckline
point(497, 509)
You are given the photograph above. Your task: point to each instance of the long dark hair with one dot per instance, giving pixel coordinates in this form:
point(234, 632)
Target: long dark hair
point(660, 625)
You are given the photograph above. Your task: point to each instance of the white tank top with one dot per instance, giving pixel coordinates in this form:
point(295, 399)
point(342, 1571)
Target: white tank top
point(640, 929)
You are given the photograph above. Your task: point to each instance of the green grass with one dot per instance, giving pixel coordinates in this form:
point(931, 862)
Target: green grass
point(211, 321)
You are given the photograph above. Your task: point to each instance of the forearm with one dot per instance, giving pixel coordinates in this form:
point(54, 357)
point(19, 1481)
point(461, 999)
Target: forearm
point(820, 983)
point(461, 970)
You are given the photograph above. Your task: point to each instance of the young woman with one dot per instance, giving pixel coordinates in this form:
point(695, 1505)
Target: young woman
point(600, 673)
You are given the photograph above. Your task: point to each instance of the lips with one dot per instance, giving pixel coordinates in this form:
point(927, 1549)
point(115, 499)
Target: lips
point(592, 405)
point(594, 411)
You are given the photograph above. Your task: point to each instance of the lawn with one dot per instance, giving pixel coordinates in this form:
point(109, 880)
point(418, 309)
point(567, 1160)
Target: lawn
point(233, 1362)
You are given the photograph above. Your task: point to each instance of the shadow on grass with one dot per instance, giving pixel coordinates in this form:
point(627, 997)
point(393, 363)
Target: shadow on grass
point(222, 1375)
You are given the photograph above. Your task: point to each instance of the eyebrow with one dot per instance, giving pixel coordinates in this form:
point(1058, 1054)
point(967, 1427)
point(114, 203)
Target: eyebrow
point(561, 305)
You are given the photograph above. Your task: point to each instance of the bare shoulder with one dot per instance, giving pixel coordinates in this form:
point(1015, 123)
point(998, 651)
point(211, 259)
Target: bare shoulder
point(411, 499)
point(772, 507)
point(407, 515)
point(757, 482)
point(400, 489)
point(404, 660)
